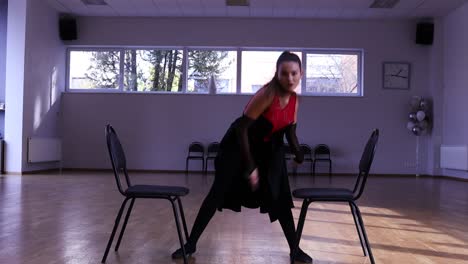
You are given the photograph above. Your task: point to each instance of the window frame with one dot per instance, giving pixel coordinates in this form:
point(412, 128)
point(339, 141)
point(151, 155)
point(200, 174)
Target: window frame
point(122, 58)
point(235, 49)
point(99, 90)
point(305, 51)
point(239, 91)
point(360, 67)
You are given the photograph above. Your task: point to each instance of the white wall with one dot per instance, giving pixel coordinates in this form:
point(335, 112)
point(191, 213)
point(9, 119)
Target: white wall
point(44, 77)
point(15, 59)
point(3, 35)
point(436, 92)
point(455, 107)
point(156, 129)
point(34, 53)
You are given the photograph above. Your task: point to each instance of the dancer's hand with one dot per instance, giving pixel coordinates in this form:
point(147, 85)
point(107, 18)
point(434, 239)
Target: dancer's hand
point(254, 179)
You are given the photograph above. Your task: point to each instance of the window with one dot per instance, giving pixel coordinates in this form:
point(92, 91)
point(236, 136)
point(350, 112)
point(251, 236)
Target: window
point(212, 71)
point(94, 69)
point(258, 68)
point(209, 70)
point(153, 70)
point(333, 74)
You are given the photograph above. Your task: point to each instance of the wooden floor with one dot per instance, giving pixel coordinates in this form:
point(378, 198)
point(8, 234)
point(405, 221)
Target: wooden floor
point(50, 218)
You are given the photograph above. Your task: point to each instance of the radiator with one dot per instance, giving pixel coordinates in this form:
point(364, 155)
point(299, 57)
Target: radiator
point(454, 157)
point(42, 149)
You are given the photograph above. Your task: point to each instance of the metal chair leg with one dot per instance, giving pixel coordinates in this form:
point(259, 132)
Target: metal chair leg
point(205, 166)
point(181, 209)
point(361, 223)
point(312, 171)
point(129, 211)
point(300, 226)
point(111, 238)
point(313, 168)
point(357, 228)
point(179, 233)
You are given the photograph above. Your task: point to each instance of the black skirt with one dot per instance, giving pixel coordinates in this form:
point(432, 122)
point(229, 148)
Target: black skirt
point(231, 185)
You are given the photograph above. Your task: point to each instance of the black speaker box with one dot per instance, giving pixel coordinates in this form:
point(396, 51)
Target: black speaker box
point(424, 33)
point(67, 28)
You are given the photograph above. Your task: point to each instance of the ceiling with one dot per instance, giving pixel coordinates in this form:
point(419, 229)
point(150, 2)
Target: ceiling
point(334, 9)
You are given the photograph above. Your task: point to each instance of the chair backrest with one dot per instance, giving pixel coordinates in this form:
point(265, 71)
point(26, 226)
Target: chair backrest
point(196, 147)
point(117, 157)
point(321, 151)
point(213, 147)
point(306, 150)
point(365, 163)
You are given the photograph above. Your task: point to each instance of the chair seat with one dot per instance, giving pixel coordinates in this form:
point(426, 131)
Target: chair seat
point(324, 194)
point(155, 190)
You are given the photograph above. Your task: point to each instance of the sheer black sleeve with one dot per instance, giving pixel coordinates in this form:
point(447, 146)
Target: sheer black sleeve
point(243, 139)
point(294, 143)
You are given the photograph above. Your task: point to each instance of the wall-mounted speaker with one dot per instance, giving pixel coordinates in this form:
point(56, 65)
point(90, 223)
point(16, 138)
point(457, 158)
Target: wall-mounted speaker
point(424, 33)
point(67, 28)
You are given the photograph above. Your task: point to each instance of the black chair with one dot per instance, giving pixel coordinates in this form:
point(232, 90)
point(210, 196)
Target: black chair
point(196, 151)
point(322, 154)
point(307, 151)
point(288, 155)
point(341, 195)
point(211, 153)
point(131, 192)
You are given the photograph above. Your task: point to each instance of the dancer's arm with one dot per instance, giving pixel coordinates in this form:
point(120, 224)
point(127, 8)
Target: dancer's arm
point(259, 103)
point(292, 138)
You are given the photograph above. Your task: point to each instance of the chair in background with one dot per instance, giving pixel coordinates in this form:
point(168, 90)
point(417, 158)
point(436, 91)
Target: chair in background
point(196, 151)
point(322, 154)
point(307, 151)
point(132, 192)
point(349, 196)
point(288, 155)
point(211, 153)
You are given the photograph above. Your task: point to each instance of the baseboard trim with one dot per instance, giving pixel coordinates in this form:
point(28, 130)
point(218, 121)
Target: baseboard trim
point(5, 173)
point(450, 177)
point(212, 172)
point(135, 171)
point(34, 171)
